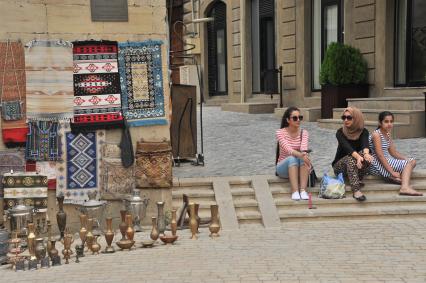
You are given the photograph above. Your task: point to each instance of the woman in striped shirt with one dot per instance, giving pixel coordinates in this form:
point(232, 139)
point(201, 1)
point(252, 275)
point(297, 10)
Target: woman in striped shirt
point(388, 162)
point(292, 160)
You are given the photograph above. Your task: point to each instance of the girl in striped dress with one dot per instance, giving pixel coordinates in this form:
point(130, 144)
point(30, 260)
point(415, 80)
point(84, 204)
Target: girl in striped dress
point(388, 162)
point(292, 160)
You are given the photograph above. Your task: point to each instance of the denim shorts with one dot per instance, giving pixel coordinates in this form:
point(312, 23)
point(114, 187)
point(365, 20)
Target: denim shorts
point(283, 165)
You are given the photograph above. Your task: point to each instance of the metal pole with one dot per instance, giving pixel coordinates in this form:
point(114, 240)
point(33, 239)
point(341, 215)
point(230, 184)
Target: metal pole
point(281, 85)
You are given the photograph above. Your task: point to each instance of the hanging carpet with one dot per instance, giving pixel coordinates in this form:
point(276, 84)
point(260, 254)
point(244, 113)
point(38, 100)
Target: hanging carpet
point(97, 98)
point(10, 160)
point(29, 187)
point(142, 87)
point(45, 168)
point(13, 93)
point(42, 141)
point(49, 69)
point(78, 172)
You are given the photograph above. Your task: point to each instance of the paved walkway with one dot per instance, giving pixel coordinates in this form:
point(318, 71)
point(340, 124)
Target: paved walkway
point(237, 144)
point(330, 251)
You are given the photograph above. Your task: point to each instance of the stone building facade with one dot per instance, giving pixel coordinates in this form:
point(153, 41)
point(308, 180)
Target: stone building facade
point(302, 29)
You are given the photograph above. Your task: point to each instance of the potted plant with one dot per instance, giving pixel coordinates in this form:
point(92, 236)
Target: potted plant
point(343, 75)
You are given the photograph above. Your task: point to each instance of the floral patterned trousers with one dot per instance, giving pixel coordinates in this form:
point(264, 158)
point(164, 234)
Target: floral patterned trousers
point(347, 166)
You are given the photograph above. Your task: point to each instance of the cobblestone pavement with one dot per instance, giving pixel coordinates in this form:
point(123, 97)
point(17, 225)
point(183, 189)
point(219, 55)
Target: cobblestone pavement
point(329, 251)
point(238, 144)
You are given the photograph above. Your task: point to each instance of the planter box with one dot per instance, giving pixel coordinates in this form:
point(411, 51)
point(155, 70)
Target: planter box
point(335, 97)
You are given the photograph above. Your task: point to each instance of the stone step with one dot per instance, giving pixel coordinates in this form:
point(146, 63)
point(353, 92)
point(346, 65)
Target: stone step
point(216, 101)
point(389, 103)
point(250, 107)
point(401, 116)
point(400, 130)
point(248, 214)
point(241, 191)
point(193, 193)
point(241, 203)
point(352, 212)
point(349, 201)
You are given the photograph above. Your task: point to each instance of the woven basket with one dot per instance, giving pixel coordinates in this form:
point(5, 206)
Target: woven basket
point(153, 165)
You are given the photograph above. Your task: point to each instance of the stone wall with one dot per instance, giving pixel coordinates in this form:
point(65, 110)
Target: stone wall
point(70, 20)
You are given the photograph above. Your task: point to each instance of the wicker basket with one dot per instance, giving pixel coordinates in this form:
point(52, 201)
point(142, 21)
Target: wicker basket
point(153, 165)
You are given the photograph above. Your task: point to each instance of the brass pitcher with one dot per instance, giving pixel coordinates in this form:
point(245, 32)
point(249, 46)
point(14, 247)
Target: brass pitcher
point(83, 231)
point(109, 235)
point(130, 232)
point(31, 241)
point(154, 232)
point(67, 241)
point(214, 226)
point(123, 225)
point(96, 247)
point(193, 221)
point(173, 223)
point(53, 251)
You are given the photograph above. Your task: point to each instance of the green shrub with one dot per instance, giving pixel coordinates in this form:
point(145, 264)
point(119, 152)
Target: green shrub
point(343, 65)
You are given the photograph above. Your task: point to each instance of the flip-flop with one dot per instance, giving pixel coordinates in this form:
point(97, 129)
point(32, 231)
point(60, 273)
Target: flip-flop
point(417, 194)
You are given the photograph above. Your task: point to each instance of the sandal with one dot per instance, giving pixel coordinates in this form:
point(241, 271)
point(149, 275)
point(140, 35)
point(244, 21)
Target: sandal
point(359, 198)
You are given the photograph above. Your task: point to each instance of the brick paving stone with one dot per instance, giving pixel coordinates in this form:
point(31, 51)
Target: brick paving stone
point(239, 144)
point(381, 250)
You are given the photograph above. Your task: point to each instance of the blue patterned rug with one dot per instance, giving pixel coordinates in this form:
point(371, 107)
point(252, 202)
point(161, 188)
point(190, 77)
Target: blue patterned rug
point(79, 173)
point(141, 77)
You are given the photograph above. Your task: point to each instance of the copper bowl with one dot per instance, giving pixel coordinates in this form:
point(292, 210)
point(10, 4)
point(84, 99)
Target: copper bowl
point(168, 239)
point(125, 244)
point(148, 243)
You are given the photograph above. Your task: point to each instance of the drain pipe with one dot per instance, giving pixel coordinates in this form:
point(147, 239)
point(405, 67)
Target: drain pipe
point(243, 48)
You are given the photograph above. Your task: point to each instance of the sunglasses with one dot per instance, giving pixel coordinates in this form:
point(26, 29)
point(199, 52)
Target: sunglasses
point(349, 117)
point(296, 118)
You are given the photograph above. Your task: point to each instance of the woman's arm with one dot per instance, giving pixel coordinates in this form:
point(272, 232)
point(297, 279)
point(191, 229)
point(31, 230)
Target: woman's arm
point(377, 143)
point(284, 145)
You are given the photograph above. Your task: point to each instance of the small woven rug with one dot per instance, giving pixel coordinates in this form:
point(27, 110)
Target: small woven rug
point(42, 141)
point(48, 65)
point(79, 171)
point(29, 187)
point(97, 98)
point(142, 86)
point(12, 69)
point(11, 160)
point(117, 181)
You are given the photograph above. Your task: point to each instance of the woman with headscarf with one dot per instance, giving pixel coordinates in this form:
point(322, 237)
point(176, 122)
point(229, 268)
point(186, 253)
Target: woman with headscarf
point(353, 154)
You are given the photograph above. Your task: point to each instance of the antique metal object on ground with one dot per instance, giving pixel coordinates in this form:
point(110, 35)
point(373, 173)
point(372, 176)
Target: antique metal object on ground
point(154, 232)
point(40, 249)
point(32, 264)
point(214, 226)
point(168, 239)
point(44, 262)
point(31, 241)
point(20, 215)
point(79, 250)
point(20, 264)
point(53, 251)
point(109, 236)
point(61, 216)
point(193, 221)
point(89, 234)
point(183, 211)
point(197, 207)
point(13, 257)
point(56, 260)
point(49, 238)
point(136, 206)
point(4, 244)
point(161, 218)
point(173, 223)
point(82, 232)
point(148, 243)
point(96, 247)
point(125, 244)
point(123, 225)
point(67, 252)
point(94, 209)
point(130, 232)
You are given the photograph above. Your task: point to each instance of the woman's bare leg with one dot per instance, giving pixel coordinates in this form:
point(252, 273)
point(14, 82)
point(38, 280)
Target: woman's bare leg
point(293, 175)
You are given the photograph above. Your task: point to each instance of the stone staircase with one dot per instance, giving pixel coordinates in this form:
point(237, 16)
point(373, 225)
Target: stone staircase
point(409, 115)
point(265, 200)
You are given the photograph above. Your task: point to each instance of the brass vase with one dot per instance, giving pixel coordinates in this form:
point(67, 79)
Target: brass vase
point(197, 207)
point(154, 232)
point(130, 232)
point(83, 231)
point(67, 252)
point(109, 236)
point(89, 234)
point(31, 241)
point(161, 218)
point(96, 247)
point(53, 251)
point(193, 221)
point(123, 225)
point(40, 249)
point(61, 216)
point(49, 237)
point(214, 226)
point(173, 223)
